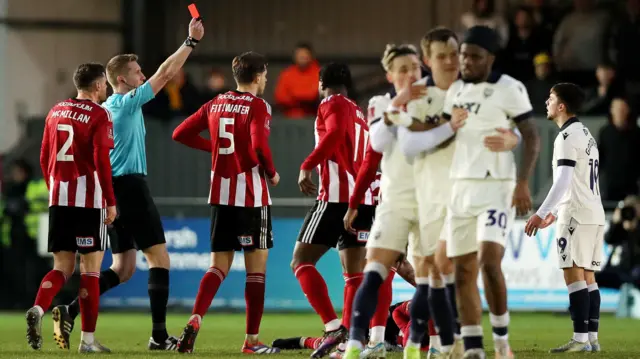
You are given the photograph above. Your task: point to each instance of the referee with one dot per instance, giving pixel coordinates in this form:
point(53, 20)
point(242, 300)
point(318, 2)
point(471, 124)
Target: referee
point(138, 226)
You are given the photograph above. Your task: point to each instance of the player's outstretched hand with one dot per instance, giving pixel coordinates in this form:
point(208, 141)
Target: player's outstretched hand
point(196, 29)
point(351, 215)
point(458, 118)
point(522, 198)
point(504, 141)
point(275, 179)
point(111, 215)
point(306, 184)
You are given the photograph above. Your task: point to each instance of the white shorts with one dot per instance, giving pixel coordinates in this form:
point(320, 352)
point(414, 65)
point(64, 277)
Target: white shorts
point(432, 218)
point(480, 211)
point(395, 229)
point(581, 244)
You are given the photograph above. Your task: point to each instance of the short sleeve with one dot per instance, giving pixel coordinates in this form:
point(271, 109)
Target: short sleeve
point(103, 131)
point(565, 152)
point(517, 103)
point(447, 108)
point(137, 97)
point(376, 108)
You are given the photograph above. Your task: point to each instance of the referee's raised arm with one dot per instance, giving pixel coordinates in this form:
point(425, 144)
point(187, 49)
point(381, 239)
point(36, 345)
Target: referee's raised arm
point(174, 63)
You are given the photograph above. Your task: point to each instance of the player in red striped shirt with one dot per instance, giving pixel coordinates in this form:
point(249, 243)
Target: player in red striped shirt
point(75, 162)
point(241, 167)
point(341, 138)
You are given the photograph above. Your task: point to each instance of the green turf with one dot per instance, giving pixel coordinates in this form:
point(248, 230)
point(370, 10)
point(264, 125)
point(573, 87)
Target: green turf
point(221, 336)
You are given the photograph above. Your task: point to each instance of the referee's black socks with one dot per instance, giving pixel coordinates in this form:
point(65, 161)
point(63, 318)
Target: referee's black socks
point(108, 280)
point(158, 298)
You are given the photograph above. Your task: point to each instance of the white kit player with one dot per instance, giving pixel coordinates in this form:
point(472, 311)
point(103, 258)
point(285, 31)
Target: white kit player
point(397, 214)
point(431, 171)
point(574, 200)
point(485, 190)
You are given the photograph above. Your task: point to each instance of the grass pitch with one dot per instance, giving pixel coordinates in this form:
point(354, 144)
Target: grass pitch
point(221, 336)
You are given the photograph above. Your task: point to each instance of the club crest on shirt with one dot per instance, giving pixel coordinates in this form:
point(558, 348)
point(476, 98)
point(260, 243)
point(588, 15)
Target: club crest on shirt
point(84, 242)
point(487, 92)
point(245, 241)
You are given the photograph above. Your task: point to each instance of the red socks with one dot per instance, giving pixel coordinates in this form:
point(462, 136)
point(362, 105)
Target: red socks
point(314, 287)
point(385, 296)
point(89, 298)
point(208, 288)
point(351, 284)
point(49, 288)
point(312, 343)
point(254, 298)
point(432, 328)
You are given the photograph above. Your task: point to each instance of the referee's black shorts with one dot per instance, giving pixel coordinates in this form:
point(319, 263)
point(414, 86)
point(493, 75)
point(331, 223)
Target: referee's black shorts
point(138, 224)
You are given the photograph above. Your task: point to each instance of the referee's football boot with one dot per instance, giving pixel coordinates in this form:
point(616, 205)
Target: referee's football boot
point(62, 326)
point(171, 343)
point(34, 328)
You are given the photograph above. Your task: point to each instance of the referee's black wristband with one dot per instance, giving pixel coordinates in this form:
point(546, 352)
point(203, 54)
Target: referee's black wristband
point(191, 42)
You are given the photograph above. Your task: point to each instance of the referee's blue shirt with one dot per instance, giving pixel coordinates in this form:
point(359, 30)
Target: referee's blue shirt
point(129, 155)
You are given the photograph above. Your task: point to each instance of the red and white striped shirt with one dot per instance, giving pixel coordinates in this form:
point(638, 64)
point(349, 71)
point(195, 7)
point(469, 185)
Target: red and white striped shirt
point(241, 161)
point(74, 157)
point(342, 134)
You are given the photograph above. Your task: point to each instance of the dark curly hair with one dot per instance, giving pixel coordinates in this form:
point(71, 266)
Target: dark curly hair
point(335, 75)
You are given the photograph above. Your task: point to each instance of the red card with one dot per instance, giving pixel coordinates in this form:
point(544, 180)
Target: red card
point(194, 11)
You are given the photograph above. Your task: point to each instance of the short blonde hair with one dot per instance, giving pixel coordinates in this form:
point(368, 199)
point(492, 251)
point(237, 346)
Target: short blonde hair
point(392, 51)
point(117, 66)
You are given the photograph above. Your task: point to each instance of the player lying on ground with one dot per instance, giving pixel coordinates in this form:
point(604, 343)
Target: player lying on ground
point(74, 158)
point(484, 189)
point(574, 200)
point(238, 123)
point(138, 225)
point(342, 136)
point(396, 219)
point(377, 326)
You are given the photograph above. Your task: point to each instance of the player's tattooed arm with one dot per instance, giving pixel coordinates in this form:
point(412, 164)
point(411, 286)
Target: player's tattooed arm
point(531, 147)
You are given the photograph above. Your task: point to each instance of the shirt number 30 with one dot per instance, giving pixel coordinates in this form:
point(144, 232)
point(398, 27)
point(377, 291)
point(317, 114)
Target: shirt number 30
point(494, 217)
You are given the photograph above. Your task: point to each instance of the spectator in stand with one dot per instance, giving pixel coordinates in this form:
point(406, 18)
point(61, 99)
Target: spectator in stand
point(544, 15)
point(579, 44)
point(525, 41)
point(539, 87)
point(624, 234)
point(625, 41)
point(216, 84)
point(598, 98)
point(178, 98)
point(483, 13)
point(619, 146)
point(297, 92)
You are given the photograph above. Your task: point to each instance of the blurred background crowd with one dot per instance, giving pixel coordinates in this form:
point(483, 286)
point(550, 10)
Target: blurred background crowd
point(593, 43)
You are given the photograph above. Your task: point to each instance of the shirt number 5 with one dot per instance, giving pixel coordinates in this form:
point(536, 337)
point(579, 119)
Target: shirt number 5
point(223, 133)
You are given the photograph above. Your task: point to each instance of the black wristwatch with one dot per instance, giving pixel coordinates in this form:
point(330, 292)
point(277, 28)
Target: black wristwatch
point(191, 42)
